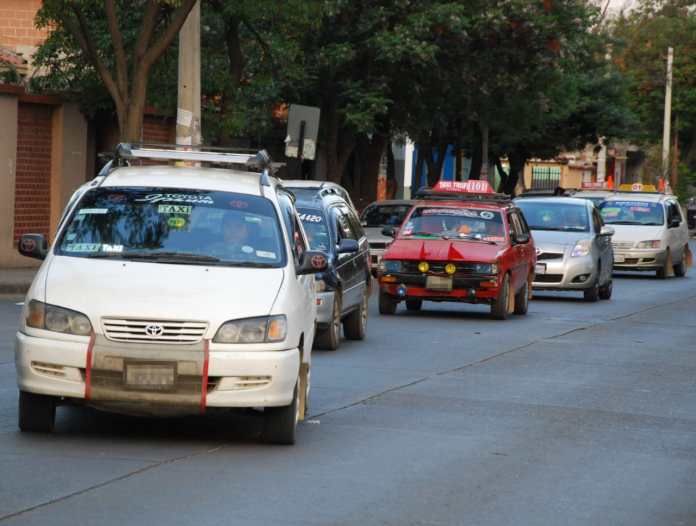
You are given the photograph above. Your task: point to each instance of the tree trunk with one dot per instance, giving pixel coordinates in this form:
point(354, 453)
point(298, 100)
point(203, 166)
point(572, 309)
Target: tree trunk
point(476, 158)
point(392, 182)
point(484, 151)
point(372, 152)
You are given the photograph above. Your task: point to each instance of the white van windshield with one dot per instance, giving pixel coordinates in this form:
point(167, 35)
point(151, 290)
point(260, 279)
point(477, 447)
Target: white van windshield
point(168, 225)
point(632, 213)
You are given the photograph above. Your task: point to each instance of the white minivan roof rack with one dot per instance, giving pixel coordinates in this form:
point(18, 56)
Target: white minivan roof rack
point(256, 161)
point(171, 152)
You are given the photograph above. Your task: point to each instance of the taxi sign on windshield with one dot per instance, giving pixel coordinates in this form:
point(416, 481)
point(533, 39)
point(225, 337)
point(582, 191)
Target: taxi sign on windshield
point(472, 186)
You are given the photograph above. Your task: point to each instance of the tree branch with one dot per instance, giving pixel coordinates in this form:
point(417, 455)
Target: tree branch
point(119, 51)
point(146, 30)
point(162, 43)
point(81, 33)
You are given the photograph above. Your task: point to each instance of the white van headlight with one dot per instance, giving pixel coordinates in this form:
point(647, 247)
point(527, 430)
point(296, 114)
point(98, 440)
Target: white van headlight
point(57, 319)
point(253, 330)
point(652, 243)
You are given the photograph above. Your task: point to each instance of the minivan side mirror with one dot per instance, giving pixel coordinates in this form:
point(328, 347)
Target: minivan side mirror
point(606, 231)
point(519, 239)
point(348, 246)
point(312, 262)
point(33, 246)
point(389, 231)
point(674, 222)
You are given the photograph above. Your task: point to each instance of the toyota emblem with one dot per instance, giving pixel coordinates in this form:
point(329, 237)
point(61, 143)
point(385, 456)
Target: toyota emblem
point(153, 330)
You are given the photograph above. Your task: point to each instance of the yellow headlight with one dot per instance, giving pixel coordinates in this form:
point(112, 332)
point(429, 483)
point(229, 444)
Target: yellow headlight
point(423, 266)
point(450, 268)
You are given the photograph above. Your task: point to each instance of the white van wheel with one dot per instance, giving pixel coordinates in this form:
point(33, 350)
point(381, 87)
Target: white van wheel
point(280, 423)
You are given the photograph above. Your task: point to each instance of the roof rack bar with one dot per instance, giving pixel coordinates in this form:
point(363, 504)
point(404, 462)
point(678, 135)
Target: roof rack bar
point(128, 151)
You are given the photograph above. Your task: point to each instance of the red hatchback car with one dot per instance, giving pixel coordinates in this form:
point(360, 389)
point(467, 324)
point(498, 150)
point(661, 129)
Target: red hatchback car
point(460, 242)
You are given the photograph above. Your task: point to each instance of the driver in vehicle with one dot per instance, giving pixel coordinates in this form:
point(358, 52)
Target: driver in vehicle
point(237, 239)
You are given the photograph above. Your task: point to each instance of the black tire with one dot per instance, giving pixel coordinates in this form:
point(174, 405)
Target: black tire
point(414, 305)
point(680, 268)
point(329, 339)
point(606, 290)
point(387, 304)
point(667, 269)
point(280, 423)
point(37, 413)
point(591, 295)
point(355, 324)
point(500, 307)
point(522, 300)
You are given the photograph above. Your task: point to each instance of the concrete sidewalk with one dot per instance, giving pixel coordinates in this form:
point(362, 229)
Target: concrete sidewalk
point(16, 280)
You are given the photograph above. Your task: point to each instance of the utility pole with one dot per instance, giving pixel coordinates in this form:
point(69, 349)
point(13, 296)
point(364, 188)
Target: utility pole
point(668, 116)
point(188, 114)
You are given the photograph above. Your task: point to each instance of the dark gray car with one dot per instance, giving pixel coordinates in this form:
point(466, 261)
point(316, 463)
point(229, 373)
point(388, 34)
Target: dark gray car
point(331, 223)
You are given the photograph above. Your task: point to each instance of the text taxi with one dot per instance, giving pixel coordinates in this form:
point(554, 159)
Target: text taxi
point(460, 242)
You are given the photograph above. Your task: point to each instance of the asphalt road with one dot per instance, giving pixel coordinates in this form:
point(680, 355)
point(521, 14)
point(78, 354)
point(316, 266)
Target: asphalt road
point(577, 414)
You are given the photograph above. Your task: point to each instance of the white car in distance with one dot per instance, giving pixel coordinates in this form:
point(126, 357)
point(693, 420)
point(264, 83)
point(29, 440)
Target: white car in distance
point(172, 290)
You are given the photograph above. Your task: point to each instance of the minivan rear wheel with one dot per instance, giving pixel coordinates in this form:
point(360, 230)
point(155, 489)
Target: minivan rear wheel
point(37, 413)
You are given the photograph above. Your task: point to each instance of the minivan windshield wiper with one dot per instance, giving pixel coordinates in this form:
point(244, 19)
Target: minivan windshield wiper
point(178, 256)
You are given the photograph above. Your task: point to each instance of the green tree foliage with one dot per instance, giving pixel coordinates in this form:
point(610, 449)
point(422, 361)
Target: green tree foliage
point(642, 38)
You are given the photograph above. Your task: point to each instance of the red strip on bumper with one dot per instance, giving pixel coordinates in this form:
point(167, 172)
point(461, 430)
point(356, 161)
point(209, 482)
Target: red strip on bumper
point(88, 366)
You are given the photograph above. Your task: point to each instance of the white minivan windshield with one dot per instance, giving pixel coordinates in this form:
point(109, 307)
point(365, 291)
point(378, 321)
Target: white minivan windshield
point(166, 225)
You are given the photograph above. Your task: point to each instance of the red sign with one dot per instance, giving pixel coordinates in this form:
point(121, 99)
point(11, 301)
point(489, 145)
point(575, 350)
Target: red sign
point(599, 185)
point(472, 186)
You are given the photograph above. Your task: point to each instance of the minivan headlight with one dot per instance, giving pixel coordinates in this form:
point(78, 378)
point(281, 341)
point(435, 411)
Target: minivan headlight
point(653, 243)
point(253, 330)
point(57, 319)
point(582, 248)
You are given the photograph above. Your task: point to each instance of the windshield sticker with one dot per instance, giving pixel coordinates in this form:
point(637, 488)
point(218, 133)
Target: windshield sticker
point(71, 236)
point(310, 218)
point(175, 209)
point(247, 249)
point(112, 248)
point(193, 199)
point(238, 203)
point(117, 198)
point(176, 222)
point(462, 212)
point(83, 247)
point(94, 211)
point(264, 254)
point(642, 204)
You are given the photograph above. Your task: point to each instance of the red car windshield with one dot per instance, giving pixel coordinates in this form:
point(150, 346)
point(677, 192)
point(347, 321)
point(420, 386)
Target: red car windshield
point(454, 223)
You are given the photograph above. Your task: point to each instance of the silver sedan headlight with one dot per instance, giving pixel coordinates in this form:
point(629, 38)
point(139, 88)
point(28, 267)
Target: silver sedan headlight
point(57, 319)
point(582, 248)
point(253, 330)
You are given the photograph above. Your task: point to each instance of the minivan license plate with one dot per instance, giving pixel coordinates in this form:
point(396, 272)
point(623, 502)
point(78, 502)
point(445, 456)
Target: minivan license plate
point(150, 376)
point(438, 283)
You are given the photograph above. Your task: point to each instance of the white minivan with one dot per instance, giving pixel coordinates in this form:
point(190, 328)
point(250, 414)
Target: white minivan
point(172, 290)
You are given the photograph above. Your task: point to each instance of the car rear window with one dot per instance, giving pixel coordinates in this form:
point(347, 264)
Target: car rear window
point(377, 215)
point(316, 228)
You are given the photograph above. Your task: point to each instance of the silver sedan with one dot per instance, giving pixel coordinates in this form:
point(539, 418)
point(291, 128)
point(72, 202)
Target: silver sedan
point(574, 251)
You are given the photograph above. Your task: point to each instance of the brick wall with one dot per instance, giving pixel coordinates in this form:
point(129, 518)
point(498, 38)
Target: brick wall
point(17, 24)
point(158, 130)
point(33, 173)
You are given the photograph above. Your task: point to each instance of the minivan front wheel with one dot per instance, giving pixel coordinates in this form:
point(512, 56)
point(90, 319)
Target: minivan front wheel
point(680, 268)
point(328, 339)
point(355, 324)
point(280, 423)
point(37, 413)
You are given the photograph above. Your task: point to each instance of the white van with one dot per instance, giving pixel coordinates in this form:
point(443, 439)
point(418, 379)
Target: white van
point(651, 233)
point(172, 290)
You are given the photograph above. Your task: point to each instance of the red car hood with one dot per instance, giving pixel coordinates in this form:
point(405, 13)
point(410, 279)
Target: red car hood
point(443, 250)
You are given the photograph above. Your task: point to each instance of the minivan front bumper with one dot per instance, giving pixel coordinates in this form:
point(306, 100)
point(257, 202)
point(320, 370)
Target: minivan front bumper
point(639, 259)
point(235, 378)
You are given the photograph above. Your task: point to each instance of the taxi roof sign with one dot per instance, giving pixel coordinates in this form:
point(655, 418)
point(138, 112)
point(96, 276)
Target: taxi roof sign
point(638, 187)
point(472, 186)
